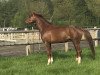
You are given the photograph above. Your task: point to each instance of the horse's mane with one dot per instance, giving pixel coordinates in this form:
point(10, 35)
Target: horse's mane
point(40, 16)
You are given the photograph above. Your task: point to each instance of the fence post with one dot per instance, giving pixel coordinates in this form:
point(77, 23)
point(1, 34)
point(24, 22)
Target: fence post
point(28, 49)
point(96, 36)
point(27, 46)
point(66, 46)
point(39, 41)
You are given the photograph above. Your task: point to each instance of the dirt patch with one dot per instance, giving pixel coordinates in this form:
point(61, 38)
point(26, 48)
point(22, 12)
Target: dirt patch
point(20, 49)
point(12, 50)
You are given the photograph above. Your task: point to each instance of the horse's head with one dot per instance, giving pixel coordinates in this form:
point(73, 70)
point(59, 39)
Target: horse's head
point(31, 18)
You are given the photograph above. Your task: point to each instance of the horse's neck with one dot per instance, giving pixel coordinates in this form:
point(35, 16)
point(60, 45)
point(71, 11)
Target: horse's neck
point(42, 24)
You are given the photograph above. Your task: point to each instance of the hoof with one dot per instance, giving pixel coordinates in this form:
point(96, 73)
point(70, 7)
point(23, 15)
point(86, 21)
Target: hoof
point(76, 59)
point(79, 60)
point(50, 61)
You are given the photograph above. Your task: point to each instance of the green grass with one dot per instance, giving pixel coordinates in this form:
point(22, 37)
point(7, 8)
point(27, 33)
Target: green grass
point(64, 64)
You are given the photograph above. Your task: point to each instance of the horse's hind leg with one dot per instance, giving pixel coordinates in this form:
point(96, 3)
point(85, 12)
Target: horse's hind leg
point(78, 51)
point(48, 48)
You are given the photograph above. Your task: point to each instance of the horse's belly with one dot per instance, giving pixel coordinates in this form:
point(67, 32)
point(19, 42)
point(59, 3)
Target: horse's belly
point(59, 39)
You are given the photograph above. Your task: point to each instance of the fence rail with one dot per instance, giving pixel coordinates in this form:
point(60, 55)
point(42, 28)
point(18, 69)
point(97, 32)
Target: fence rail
point(20, 37)
point(10, 38)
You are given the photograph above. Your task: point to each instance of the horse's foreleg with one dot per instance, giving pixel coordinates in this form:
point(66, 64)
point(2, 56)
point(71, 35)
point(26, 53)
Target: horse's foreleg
point(78, 52)
point(50, 58)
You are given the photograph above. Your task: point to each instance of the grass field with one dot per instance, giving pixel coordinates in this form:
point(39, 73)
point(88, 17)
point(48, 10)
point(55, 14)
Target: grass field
point(64, 64)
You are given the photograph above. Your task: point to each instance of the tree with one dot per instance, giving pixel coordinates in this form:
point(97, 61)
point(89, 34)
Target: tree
point(94, 7)
point(8, 10)
point(61, 12)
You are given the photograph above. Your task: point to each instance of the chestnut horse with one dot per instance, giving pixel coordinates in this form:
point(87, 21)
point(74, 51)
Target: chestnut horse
point(55, 34)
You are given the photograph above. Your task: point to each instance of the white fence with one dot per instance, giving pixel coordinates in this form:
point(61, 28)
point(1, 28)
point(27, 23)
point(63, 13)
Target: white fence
point(28, 38)
point(10, 38)
point(19, 37)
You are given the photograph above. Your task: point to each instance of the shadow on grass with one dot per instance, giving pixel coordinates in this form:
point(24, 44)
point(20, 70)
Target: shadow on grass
point(63, 54)
point(87, 54)
point(71, 54)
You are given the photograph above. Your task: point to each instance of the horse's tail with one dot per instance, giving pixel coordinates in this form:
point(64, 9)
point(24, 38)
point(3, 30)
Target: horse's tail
point(90, 41)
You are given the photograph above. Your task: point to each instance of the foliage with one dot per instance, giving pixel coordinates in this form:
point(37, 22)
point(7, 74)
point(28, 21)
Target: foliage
point(7, 12)
point(67, 12)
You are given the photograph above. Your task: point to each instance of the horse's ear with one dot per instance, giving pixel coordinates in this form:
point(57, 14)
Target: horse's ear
point(33, 14)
